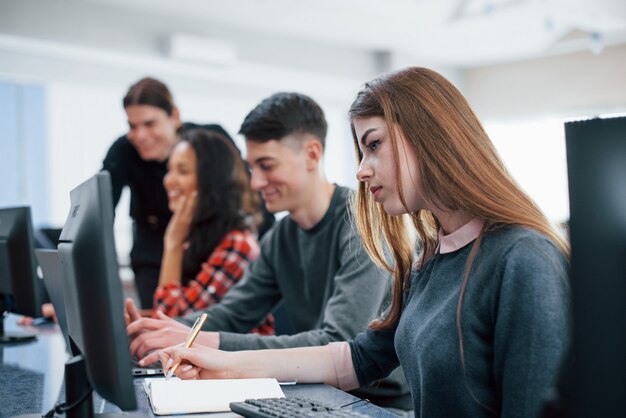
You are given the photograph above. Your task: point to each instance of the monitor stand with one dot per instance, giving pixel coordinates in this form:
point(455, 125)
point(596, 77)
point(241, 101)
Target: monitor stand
point(11, 338)
point(78, 394)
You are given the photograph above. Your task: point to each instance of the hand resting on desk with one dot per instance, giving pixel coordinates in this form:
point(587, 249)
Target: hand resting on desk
point(47, 312)
point(148, 334)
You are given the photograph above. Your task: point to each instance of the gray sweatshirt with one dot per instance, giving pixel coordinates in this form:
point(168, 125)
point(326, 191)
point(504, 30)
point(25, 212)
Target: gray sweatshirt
point(515, 324)
point(330, 288)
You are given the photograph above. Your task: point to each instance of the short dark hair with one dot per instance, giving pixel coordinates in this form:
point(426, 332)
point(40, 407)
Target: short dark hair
point(151, 92)
point(284, 114)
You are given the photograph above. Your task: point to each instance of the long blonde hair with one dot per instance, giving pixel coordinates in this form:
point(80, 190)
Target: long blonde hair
point(459, 167)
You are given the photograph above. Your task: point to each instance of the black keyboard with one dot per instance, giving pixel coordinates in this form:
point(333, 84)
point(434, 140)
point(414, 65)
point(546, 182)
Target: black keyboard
point(153, 369)
point(289, 407)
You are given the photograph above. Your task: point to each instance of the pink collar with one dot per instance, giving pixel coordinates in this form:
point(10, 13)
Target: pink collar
point(459, 238)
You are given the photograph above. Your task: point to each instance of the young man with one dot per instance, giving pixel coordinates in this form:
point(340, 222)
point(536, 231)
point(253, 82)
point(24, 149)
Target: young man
point(312, 260)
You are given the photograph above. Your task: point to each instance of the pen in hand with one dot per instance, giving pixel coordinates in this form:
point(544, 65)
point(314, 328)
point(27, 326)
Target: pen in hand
point(195, 330)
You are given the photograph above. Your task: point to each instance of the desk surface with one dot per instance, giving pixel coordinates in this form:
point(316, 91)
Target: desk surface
point(31, 379)
point(31, 374)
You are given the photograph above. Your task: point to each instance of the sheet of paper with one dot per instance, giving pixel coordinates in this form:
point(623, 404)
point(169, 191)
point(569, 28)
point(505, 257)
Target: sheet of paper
point(175, 396)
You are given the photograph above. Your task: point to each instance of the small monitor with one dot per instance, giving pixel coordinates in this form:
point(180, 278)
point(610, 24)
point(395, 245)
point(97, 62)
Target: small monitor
point(93, 298)
point(596, 160)
point(21, 289)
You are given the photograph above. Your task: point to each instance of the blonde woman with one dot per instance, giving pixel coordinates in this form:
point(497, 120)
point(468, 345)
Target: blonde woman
point(480, 321)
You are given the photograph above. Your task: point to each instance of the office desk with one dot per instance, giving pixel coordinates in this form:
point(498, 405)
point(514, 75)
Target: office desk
point(31, 379)
point(31, 374)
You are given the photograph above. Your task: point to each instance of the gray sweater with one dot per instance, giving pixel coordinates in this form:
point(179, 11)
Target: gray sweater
point(330, 288)
point(515, 322)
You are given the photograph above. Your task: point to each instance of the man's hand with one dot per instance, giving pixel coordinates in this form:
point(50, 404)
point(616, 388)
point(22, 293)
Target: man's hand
point(47, 312)
point(148, 335)
point(131, 313)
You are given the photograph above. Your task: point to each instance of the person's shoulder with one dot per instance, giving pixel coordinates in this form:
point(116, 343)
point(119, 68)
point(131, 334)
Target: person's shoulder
point(344, 192)
point(122, 143)
point(532, 268)
point(343, 209)
point(523, 248)
point(121, 159)
point(520, 238)
point(240, 235)
point(281, 236)
point(282, 225)
point(241, 240)
point(341, 202)
point(122, 148)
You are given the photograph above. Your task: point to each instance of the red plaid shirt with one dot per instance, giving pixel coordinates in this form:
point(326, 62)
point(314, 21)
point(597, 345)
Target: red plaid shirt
point(222, 270)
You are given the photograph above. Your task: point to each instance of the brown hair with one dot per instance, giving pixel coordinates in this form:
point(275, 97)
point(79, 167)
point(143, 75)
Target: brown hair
point(151, 92)
point(459, 167)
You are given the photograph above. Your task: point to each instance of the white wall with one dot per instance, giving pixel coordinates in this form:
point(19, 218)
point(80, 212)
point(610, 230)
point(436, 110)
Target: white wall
point(534, 153)
point(85, 118)
point(565, 85)
point(525, 104)
point(86, 56)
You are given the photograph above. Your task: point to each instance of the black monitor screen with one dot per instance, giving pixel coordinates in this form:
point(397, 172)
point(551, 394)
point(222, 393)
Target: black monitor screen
point(93, 291)
point(596, 159)
point(21, 289)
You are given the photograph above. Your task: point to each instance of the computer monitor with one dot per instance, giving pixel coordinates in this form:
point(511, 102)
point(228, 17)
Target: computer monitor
point(94, 301)
point(21, 289)
point(596, 159)
point(54, 283)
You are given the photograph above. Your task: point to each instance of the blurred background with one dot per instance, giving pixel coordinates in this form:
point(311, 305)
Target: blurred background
point(526, 66)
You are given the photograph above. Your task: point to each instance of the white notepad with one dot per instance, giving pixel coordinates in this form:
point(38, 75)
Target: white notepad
point(175, 396)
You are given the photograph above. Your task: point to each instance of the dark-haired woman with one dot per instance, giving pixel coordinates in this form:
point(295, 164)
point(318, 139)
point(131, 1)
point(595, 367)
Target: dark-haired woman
point(208, 242)
point(139, 160)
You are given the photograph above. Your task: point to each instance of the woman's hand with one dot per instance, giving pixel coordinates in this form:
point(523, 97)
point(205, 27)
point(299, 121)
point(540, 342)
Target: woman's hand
point(302, 364)
point(178, 227)
point(198, 362)
point(175, 235)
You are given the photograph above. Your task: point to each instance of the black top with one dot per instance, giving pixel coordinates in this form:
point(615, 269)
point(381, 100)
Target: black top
point(148, 198)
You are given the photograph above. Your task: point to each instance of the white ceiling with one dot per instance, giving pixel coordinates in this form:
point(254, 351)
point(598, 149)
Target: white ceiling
point(456, 33)
point(323, 47)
